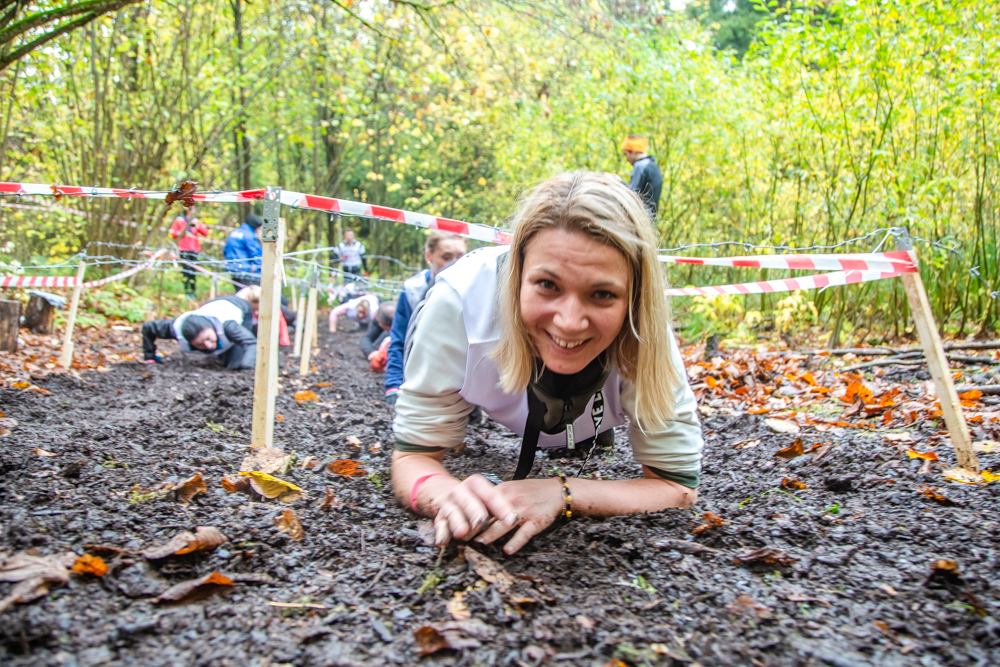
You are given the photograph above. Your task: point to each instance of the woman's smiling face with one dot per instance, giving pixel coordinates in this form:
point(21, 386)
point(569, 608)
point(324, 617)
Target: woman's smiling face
point(574, 297)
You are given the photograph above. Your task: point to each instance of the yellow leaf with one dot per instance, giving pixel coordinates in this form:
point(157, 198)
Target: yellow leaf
point(303, 396)
point(269, 486)
point(927, 456)
point(963, 475)
point(989, 477)
point(482, 181)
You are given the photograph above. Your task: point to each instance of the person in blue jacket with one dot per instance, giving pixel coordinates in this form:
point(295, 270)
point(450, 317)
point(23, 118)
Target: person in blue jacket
point(440, 250)
point(243, 251)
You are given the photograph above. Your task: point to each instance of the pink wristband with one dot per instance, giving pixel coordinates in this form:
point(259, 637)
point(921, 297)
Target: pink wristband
point(416, 488)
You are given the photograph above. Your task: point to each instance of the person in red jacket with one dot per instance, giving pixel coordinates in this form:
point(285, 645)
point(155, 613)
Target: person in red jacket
point(186, 229)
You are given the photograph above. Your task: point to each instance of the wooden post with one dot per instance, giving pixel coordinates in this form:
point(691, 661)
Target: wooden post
point(300, 323)
point(66, 358)
point(212, 289)
point(265, 387)
point(10, 319)
point(310, 328)
point(40, 315)
point(937, 363)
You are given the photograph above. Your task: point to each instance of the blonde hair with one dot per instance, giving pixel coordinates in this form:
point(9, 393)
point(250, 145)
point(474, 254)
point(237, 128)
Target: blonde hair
point(253, 294)
point(436, 236)
point(603, 208)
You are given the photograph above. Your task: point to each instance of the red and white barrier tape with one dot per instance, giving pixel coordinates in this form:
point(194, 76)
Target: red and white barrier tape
point(67, 281)
point(816, 281)
point(898, 261)
point(288, 198)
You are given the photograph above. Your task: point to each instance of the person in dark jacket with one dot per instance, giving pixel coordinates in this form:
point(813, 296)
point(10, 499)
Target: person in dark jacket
point(243, 252)
point(647, 179)
point(222, 328)
point(379, 329)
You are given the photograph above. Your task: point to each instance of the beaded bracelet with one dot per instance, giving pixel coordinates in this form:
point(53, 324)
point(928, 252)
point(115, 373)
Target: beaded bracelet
point(567, 496)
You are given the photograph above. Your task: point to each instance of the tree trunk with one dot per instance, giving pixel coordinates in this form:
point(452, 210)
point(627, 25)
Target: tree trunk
point(10, 317)
point(40, 315)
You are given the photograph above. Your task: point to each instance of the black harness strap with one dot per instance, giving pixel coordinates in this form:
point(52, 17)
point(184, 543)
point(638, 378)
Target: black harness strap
point(533, 427)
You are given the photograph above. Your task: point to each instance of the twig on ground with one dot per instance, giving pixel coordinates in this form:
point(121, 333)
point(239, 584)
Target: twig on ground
point(987, 389)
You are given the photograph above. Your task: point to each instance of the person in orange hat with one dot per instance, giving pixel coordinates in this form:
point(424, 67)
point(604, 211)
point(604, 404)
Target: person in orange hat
point(647, 179)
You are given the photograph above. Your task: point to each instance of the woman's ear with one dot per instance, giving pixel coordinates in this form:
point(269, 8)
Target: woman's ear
point(427, 258)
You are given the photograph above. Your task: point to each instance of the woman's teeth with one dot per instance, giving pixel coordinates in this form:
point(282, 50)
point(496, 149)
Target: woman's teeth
point(565, 343)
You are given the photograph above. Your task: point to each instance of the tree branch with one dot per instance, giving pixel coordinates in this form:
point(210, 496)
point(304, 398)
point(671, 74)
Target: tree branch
point(96, 7)
point(25, 49)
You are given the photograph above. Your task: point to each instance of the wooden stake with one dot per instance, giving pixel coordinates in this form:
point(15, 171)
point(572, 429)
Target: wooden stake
point(937, 363)
point(66, 358)
point(300, 323)
point(213, 288)
point(310, 328)
point(265, 387)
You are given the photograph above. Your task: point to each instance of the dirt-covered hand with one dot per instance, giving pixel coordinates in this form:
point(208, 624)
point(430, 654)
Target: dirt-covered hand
point(536, 503)
point(467, 507)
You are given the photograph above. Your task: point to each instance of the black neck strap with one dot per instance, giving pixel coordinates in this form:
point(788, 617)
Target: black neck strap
point(533, 428)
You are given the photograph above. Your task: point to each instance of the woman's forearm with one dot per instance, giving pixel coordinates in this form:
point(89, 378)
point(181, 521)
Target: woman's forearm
point(407, 468)
point(603, 498)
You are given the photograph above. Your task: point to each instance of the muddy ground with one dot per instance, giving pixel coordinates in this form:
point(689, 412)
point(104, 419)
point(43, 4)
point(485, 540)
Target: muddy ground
point(856, 588)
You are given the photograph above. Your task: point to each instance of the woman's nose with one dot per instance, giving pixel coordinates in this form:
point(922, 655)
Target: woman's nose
point(571, 315)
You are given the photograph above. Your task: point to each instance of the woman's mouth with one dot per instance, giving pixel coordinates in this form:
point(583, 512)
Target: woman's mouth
point(566, 344)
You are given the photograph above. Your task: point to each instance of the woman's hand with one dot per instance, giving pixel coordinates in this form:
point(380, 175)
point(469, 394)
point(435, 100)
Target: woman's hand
point(466, 508)
point(536, 503)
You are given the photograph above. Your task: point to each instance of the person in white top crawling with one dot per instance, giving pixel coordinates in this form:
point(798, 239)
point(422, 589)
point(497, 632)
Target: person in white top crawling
point(560, 337)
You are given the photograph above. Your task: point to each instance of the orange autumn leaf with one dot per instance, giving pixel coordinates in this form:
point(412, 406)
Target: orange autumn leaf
point(240, 485)
point(711, 521)
point(189, 488)
point(280, 418)
point(856, 391)
point(322, 384)
point(711, 381)
point(87, 564)
point(819, 390)
point(971, 395)
point(758, 411)
point(346, 468)
point(289, 523)
point(927, 456)
point(810, 380)
point(791, 452)
point(792, 484)
point(304, 396)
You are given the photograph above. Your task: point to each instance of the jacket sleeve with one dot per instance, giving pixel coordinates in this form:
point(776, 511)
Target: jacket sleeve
point(394, 364)
point(177, 227)
point(153, 330)
point(368, 341)
point(200, 229)
point(239, 334)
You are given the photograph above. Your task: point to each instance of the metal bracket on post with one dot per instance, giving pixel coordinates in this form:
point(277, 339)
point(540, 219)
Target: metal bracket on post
point(272, 211)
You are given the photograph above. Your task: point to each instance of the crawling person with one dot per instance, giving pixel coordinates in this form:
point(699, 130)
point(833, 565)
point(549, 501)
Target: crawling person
point(378, 330)
point(361, 310)
point(560, 337)
point(222, 328)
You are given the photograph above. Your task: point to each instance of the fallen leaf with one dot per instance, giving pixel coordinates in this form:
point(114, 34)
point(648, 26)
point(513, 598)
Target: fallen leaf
point(329, 502)
point(87, 564)
point(615, 663)
point(353, 440)
point(297, 605)
point(711, 521)
point(927, 456)
point(793, 451)
point(792, 484)
point(33, 576)
point(971, 395)
point(782, 425)
point(189, 488)
point(38, 451)
point(305, 396)
point(745, 602)
point(820, 390)
point(802, 597)
point(204, 538)
point(585, 622)
point(889, 589)
point(322, 384)
point(195, 589)
point(265, 459)
point(429, 640)
point(489, 570)
point(346, 468)
point(268, 485)
point(767, 555)
point(856, 390)
point(936, 495)
point(986, 446)
point(884, 629)
point(289, 523)
point(989, 476)
point(963, 475)
point(808, 377)
point(711, 382)
point(308, 462)
point(280, 418)
point(899, 437)
point(238, 485)
point(945, 571)
point(457, 607)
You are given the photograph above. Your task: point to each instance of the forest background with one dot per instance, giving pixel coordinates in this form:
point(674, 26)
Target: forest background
point(785, 123)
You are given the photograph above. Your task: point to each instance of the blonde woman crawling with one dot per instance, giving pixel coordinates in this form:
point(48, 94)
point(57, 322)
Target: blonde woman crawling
point(560, 337)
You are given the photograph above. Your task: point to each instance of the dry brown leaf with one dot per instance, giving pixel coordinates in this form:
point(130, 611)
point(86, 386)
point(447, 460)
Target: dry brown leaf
point(782, 425)
point(237, 485)
point(429, 640)
point(289, 523)
point(267, 460)
point(329, 502)
point(855, 391)
point(963, 475)
point(195, 589)
point(346, 468)
point(767, 555)
point(38, 451)
point(899, 437)
point(204, 538)
point(791, 452)
point(792, 484)
point(457, 607)
point(935, 494)
point(305, 396)
point(33, 576)
point(747, 603)
point(711, 521)
point(456, 635)
point(489, 570)
point(189, 488)
point(87, 564)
